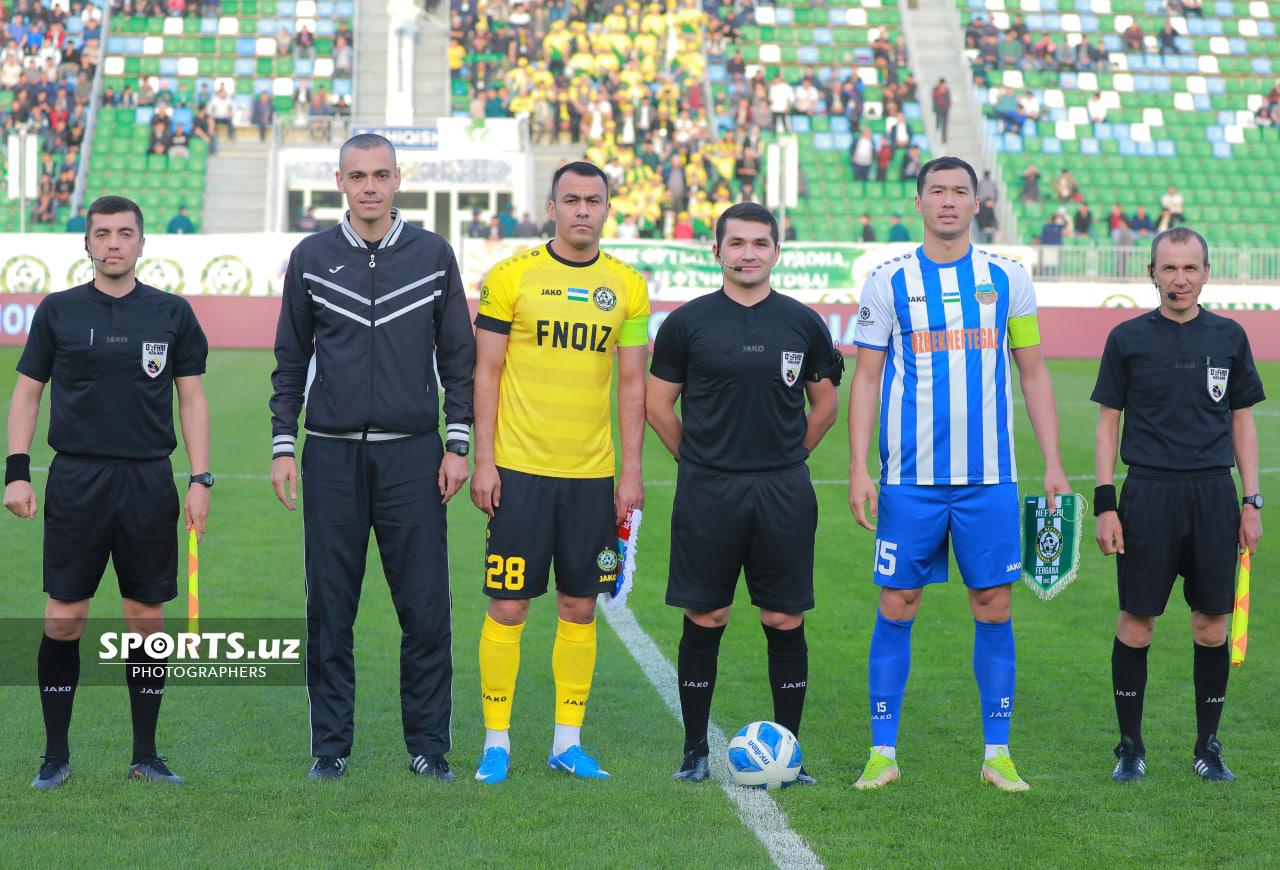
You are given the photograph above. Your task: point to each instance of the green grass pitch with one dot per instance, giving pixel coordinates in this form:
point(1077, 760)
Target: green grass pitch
point(244, 751)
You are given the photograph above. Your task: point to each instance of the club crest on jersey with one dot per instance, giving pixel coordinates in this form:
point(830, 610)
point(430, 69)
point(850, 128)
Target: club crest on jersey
point(791, 363)
point(986, 293)
point(154, 355)
point(1218, 383)
point(604, 298)
point(607, 561)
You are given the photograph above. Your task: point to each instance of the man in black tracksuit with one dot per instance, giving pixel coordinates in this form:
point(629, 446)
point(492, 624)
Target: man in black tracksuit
point(365, 305)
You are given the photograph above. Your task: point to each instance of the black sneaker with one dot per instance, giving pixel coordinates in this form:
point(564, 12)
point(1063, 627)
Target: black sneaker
point(1208, 763)
point(1131, 764)
point(805, 778)
point(328, 767)
point(431, 766)
point(153, 769)
point(694, 767)
point(53, 773)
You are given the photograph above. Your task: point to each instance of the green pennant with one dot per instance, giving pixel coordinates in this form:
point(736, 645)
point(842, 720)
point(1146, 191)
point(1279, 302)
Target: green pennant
point(1051, 542)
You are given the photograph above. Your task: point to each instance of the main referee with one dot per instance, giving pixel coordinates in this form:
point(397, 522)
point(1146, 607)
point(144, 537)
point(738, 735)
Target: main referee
point(372, 308)
point(742, 361)
point(1185, 380)
point(114, 349)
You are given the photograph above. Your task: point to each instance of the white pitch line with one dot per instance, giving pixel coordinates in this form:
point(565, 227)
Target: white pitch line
point(757, 810)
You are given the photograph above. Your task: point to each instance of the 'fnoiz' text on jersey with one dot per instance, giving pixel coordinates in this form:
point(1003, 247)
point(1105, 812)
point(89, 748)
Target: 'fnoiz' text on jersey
point(576, 336)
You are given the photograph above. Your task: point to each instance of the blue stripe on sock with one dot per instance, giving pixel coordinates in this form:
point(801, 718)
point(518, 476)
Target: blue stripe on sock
point(994, 666)
point(889, 664)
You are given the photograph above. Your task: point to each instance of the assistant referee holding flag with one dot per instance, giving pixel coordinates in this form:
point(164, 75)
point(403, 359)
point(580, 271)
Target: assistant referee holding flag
point(115, 350)
point(372, 308)
point(1185, 379)
point(742, 361)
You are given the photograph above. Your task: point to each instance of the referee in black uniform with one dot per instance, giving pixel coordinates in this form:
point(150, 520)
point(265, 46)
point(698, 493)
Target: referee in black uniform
point(742, 361)
point(114, 349)
point(1185, 380)
point(373, 307)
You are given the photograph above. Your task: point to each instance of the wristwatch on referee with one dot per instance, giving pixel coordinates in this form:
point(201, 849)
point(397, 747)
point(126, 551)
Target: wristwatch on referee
point(460, 447)
point(205, 479)
point(1254, 500)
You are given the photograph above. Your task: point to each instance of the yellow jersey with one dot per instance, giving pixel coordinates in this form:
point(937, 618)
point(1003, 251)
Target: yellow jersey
point(562, 322)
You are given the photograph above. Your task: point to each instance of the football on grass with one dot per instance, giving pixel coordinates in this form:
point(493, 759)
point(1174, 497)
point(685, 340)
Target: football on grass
point(764, 755)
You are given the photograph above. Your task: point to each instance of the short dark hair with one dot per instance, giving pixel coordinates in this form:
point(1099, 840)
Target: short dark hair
point(583, 168)
point(366, 142)
point(1178, 235)
point(112, 205)
point(945, 163)
point(753, 212)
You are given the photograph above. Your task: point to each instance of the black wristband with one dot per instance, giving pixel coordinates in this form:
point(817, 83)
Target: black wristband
point(17, 466)
point(1104, 499)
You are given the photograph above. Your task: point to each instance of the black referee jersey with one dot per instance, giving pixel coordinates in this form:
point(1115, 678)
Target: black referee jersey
point(743, 370)
point(1177, 384)
point(112, 362)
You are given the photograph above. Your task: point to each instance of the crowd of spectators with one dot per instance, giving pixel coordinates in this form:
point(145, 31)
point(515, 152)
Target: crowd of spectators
point(1122, 229)
point(314, 106)
point(626, 79)
point(1016, 48)
point(47, 61)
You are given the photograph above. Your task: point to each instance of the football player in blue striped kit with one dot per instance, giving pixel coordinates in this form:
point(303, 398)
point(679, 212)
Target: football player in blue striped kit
point(936, 333)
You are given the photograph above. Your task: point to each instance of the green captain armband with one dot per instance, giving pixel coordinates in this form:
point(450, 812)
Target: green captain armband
point(635, 332)
point(1024, 332)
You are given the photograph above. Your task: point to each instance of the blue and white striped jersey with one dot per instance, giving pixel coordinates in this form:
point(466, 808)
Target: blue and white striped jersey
point(946, 399)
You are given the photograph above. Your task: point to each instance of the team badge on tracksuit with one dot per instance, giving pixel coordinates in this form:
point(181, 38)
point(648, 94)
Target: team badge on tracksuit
point(154, 355)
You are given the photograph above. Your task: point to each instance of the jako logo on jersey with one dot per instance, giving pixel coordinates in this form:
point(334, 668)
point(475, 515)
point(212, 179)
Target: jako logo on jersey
point(753, 348)
point(919, 298)
point(695, 684)
point(501, 699)
point(578, 336)
point(799, 685)
point(1012, 566)
point(1121, 693)
point(955, 339)
point(549, 291)
point(569, 702)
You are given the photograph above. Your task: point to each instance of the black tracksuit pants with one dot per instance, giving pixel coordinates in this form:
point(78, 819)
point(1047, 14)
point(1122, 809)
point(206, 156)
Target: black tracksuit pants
point(389, 486)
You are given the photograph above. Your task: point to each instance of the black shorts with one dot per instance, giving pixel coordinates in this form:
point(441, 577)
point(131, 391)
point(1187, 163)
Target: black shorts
point(760, 523)
point(1178, 524)
point(541, 520)
point(95, 508)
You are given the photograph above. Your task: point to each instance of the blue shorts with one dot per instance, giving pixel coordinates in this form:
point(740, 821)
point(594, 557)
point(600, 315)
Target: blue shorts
point(915, 522)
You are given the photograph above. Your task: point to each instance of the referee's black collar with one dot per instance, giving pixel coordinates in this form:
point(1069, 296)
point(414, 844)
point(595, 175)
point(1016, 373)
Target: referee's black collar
point(735, 303)
point(1156, 317)
point(570, 263)
point(107, 299)
point(354, 239)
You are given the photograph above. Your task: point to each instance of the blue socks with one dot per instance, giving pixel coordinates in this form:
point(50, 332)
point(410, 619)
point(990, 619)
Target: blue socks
point(889, 664)
point(994, 666)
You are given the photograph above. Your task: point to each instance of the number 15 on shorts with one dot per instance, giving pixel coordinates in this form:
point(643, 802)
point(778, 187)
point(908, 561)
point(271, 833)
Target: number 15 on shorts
point(504, 573)
point(886, 558)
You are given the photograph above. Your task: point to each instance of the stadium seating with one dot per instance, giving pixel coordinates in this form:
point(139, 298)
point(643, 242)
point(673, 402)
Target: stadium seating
point(831, 40)
point(69, 29)
point(186, 59)
point(1186, 118)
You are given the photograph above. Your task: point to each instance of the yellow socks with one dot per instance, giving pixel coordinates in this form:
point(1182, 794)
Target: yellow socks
point(573, 661)
point(499, 665)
